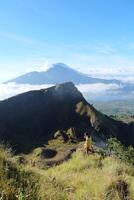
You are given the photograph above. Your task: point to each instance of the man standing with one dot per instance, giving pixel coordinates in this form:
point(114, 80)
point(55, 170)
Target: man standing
point(88, 144)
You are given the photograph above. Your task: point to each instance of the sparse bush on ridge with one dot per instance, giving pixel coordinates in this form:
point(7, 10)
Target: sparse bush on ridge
point(126, 154)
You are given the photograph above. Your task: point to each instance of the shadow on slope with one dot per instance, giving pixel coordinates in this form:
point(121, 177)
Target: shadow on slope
point(30, 120)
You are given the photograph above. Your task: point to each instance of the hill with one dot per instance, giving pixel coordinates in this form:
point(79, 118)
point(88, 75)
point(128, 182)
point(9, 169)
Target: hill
point(31, 119)
point(45, 127)
point(82, 177)
point(58, 73)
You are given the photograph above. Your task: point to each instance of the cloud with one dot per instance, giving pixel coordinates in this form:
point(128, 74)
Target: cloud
point(118, 73)
point(104, 49)
point(98, 88)
point(33, 43)
point(112, 66)
point(12, 89)
point(100, 60)
point(105, 92)
point(126, 79)
point(47, 65)
point(17, 37)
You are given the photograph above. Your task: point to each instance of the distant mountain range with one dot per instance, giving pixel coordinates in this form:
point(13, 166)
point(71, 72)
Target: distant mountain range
point(58, 73)
point(31, 119)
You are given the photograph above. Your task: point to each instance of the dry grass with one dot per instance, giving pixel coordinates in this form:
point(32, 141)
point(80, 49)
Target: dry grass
point(80, 178)
point(15, 182)
point(83, 178)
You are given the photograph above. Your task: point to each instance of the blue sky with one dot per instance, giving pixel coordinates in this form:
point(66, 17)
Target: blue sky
point(93, 36)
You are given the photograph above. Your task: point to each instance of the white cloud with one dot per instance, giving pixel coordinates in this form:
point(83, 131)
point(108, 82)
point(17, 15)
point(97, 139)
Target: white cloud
point(98, 88)
point(47, 65)
point(119, 73)
point(107, 66)
point(98, 60)
point(126, 79)
point(11, 89)
point(17, 38)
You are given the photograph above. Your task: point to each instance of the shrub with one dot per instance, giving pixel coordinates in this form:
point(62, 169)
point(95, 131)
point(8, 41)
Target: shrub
point(126, 154)
point(16, 182)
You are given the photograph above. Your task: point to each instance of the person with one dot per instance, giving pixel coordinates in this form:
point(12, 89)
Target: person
point(88, 144)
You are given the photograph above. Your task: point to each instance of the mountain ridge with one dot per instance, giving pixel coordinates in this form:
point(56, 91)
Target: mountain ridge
point(31, 119)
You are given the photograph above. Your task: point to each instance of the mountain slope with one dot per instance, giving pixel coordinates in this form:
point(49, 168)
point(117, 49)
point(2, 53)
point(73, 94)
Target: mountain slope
point(97, 178)
point(58, 73)
point(31, 119)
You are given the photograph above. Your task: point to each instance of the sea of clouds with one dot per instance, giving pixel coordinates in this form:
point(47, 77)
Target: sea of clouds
point(88, 90)
point(95, 91)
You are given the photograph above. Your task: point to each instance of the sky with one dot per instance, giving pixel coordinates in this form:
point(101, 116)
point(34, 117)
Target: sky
point(93, 36)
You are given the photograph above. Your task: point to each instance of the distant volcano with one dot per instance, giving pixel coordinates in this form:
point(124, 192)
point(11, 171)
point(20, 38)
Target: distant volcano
point(58, 73)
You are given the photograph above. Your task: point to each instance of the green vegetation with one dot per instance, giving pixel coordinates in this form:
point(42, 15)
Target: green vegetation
point(89, 177)
point(83, 177)
point(126, 154)
point(15, 182)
